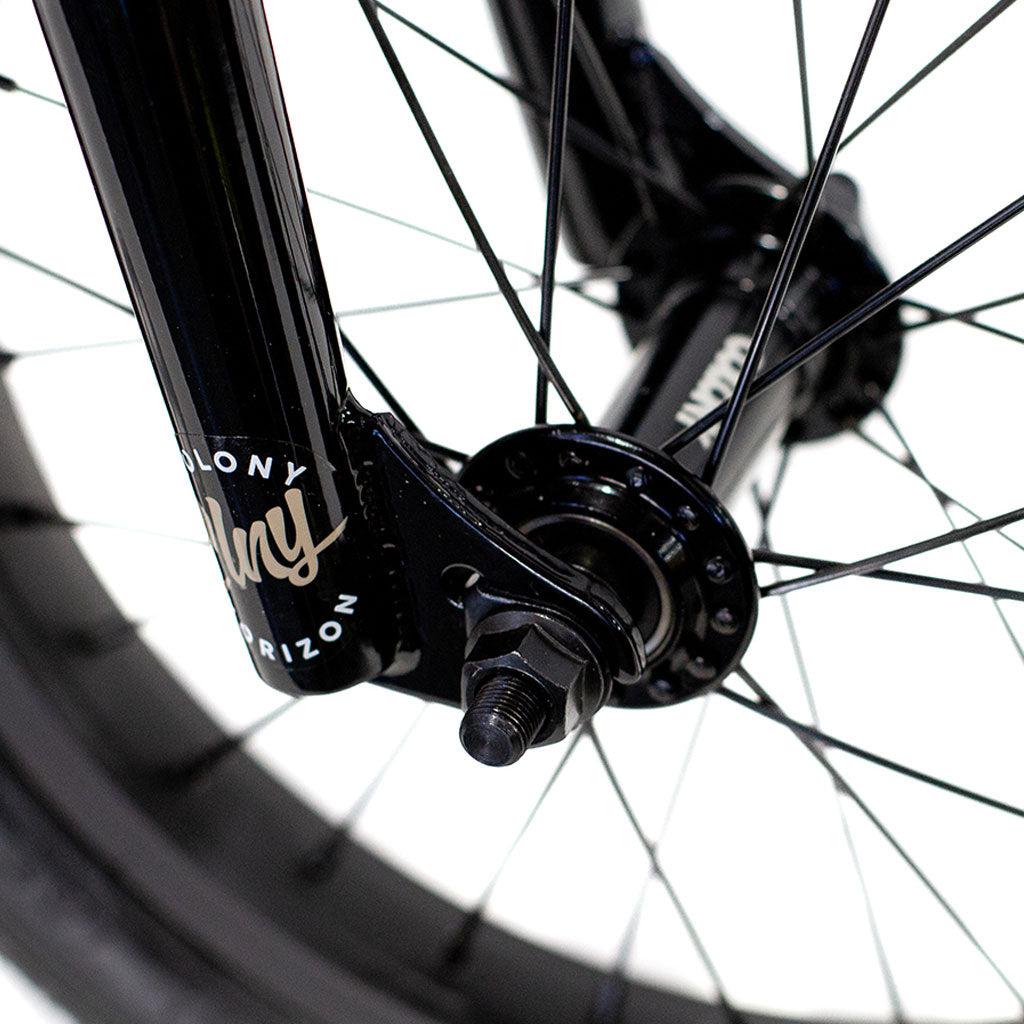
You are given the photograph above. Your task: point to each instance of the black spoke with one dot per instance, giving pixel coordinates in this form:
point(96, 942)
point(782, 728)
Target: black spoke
point(805, 92)
point(786, 267)
point(441, 300)
point(10, 85)
point(854, 319)
point(16, 516)
point(944, 496)
point(938, 316)
point(551, 371)
point(771, 711)
point(198, 765)
point(410, 226)
point(983, 307)
point(325, 861)
point(396, 407)
point(768, 557)
point(658, 871)
point(60, 350)
point(458, 948)
point(865, 565)
point(915, 466)
point(382, 389)
point(580, 135)
point(884, 965)
point(577, 286)
point(553, 209)
point(966, 36)
point(811, 745)
point(70, 282)
point(609, 998)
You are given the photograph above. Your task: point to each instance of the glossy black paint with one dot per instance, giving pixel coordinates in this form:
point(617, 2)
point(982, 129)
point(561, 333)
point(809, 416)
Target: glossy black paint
point(447, 537)
point(333, 528)
point(181, 118)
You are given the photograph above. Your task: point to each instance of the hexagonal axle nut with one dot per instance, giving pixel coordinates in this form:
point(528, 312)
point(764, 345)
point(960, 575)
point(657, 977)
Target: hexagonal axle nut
point(528, 678)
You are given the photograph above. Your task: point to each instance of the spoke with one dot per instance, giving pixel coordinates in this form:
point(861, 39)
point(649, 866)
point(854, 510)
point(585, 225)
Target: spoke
point(912, 461)
point(944, 496)
point(938, 316)
point(553, 210)
point(10, 85)
point(396, 407)
point(767, 505)
point(551, 371)
point(103, 639)
point(321, 866)
point(607, 1004)
point(983, 307)
point(442, 300)
point(805, 93)
point(410, 226)
point(576, 286)
point(458, 948)
point(15, 516)
point(865, 565)
point(838, 780)
point(854, 319)
point(809, 732)
point(991, 304)
point(382, 389)
point(884, 966)
point(580, 135)
point(363, 802)
point(658, 871)
point(70, 282)
point(786, 267)
point(198, 765)
point(966, 36)
point(59, 350)
point(939, 583)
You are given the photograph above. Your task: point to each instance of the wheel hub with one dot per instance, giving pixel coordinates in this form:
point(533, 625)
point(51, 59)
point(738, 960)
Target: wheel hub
point(642, 525)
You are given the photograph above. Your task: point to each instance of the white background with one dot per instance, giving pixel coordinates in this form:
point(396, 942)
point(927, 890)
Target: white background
point(756, 848)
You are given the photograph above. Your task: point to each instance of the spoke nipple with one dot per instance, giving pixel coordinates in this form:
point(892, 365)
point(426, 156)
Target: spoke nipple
point(505, 716)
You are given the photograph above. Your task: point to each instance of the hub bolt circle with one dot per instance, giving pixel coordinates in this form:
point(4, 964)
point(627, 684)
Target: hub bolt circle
point(505, 716)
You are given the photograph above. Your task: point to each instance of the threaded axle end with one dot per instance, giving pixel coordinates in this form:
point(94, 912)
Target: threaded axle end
point(505, 717)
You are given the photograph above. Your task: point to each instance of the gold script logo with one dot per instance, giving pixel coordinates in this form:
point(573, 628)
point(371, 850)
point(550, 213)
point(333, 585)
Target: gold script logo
point(265, 546)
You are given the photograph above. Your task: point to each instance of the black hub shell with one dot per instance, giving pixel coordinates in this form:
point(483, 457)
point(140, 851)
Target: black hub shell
point(644, 527)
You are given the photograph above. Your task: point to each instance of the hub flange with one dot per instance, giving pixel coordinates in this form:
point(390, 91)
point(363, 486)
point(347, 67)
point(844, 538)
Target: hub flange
point(639, 523)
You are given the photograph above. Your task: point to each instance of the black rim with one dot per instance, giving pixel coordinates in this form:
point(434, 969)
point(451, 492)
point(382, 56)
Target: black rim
point(137, 735)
